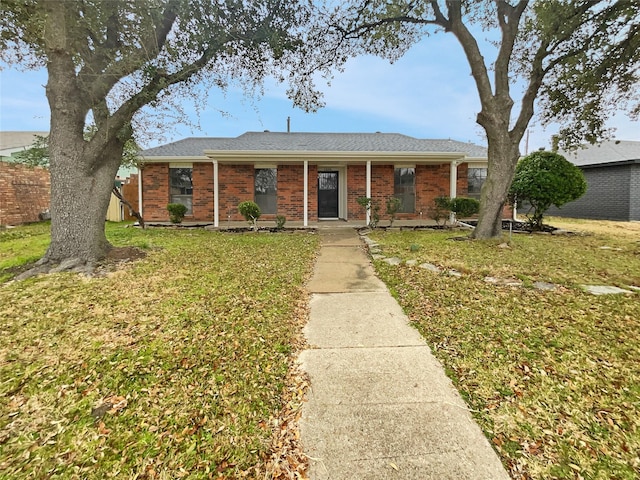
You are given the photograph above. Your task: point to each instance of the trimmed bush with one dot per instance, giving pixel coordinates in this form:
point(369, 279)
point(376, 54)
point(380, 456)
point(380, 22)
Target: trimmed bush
point(177, 211)
point(464, 207)
point(251, 212)
point(543, 179)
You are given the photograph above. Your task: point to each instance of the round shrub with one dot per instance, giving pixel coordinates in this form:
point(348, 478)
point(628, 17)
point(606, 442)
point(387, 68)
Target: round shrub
point(543, 179)
point(177, 211)
point(250, 211)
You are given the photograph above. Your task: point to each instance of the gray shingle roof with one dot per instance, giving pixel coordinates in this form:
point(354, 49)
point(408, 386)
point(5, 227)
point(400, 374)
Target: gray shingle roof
point(606, 152)
point(314, 142)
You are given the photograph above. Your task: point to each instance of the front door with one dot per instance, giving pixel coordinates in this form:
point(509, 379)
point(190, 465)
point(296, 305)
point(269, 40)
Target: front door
point(327, 194)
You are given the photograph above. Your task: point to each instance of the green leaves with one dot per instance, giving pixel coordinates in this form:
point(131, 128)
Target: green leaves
point(543, 179)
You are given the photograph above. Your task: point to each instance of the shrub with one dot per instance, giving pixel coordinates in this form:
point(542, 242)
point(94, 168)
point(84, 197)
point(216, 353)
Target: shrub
point(177, 212)
point(372, 207)
point(280, 221)
point(464, 207)
point(393, 206)
point(440, 210)
point(543, 179)
point(251, 212)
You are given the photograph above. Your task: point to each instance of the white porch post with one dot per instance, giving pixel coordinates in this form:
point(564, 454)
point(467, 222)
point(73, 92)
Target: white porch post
point(140, 192)
point(305, 195)
point(216, 196)
point(368, 190)
point(453, 186)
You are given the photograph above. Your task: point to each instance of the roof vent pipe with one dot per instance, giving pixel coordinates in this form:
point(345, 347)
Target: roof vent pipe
point(288, 124)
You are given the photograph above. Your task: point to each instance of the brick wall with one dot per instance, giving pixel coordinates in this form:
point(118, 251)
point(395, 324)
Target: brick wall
point(24, 193)
point(155, 192)
point(236, 184)
point(609, 195)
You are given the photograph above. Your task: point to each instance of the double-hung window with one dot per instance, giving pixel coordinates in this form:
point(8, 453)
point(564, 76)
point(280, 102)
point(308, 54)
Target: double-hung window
point(404, 188)
point(181, 187)
point(475, 179)
point(266, 189)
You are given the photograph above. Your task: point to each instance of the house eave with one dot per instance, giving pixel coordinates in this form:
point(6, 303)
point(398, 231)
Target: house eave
point(288, 156)
point(618, 163)
point(315, 157)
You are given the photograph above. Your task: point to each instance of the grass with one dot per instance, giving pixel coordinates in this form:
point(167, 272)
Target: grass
point(553, 376)
point(171, 367)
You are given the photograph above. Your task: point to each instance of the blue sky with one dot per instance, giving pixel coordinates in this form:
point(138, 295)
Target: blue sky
point(428, 93)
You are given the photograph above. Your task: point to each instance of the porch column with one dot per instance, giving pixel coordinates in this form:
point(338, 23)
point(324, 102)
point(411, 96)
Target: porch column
point(140, 191)
point(305, 195)
point(453, 186)
point(368, 190)
point(216, 208)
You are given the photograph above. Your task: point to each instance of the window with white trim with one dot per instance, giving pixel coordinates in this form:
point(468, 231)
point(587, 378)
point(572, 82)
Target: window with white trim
point(181, 187)
point(404, 188)
point(475, 179)
point(266, 189)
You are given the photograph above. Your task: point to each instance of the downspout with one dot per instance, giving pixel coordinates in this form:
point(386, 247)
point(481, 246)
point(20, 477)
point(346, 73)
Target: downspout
point(305, 196)
point(216, 209)
point(368, 191)
point(453, 187)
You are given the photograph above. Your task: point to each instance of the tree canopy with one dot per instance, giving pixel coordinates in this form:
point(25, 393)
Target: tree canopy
point(107, 60)
point(577, 60)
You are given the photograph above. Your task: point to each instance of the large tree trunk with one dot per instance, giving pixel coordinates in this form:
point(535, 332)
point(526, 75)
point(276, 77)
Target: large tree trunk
point(503, 156)
point(80, 193)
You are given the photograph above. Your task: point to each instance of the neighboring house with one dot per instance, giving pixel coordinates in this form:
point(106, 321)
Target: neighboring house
point(307, 176)
point(24, 191)
point(16, 142)
point(612, 172)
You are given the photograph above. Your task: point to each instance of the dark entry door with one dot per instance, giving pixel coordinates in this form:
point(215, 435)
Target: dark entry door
point(328, 194)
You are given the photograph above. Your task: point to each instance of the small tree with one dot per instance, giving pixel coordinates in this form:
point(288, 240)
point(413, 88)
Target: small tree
point(543, 179)
point(393, 206)
point(440, 210)
point(372, 208)
point(251, 213)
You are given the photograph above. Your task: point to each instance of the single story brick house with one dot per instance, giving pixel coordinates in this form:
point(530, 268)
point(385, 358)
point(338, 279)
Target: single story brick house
point(306, 176)
point(612, 172)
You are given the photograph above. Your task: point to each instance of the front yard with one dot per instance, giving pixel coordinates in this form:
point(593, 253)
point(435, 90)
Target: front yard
point(173, 366)
point(179, 365)
point(553, 377)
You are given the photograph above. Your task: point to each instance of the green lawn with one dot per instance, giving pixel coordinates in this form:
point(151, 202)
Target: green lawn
point(553, 377)
point(177, 365)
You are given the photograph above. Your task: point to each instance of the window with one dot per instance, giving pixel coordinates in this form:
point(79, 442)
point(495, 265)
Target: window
point(266, 188)
point(404, 188)
point(475, 179)
point(181, 187)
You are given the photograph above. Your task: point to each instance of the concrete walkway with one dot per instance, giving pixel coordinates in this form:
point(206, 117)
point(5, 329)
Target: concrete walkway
point(380, 405)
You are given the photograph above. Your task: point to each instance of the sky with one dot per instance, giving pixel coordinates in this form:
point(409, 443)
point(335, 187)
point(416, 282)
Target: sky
point(428, 93)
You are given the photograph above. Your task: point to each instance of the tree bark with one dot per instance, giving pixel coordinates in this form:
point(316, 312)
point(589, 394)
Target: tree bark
point(79, 201)
point(503, 155)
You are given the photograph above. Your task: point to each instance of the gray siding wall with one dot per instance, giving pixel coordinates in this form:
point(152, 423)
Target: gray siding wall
point(608, 195)
point(634, 193)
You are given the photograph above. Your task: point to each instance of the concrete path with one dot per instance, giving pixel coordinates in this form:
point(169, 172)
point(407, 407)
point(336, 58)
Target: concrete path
point(380, 405)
